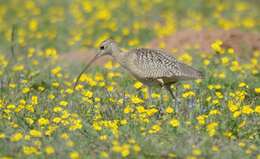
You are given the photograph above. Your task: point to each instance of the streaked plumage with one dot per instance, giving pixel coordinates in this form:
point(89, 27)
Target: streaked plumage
point(150, 66)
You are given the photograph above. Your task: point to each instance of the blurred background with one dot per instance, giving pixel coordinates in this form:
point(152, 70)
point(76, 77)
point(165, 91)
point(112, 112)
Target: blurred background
point(72, 24)
point(43, 43)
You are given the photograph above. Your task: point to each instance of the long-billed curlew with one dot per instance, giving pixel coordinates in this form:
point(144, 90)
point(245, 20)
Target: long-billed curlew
point(149, 66)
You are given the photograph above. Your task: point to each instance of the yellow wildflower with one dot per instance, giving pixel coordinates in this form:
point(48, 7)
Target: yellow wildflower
point(63, 103)
point(104, 154)
point(56, 120)
point(174, 123)
point(88, 94)
point(215, 148)
point(247, 110)
point(29, 150)
point(33, 25)
point(43, 121)
point(16, 137)
point(74, 155)
point(155, 129)
point(64, 136)
point(18, 68)
point(230, 50)
point(196, 152)
point(169, 110)
point(232, 107)
point(136, 100)
point(242, 84)
point(123, 122)
point(55, 84)
point(257, 109)
point(26, 90)
point(34, 100)
point(49, 150)
point(56, 70)
point(206, 62)
point(138, 85)
point(109, 88)
point(35, 133)
point(103, 137)
point(236, 114)
point(224, 60)
point(136, 148)
point(2, 135)
point(87, 6)
point(201, 119)
point(211, 128)
point(128, 109)
point(103, 14)
point(109, 65)
point(214, 112)
point(188, 94)
point(186, 86)
point(216, 46)
point(257, 90)
point(186, 58)
point(156, 95)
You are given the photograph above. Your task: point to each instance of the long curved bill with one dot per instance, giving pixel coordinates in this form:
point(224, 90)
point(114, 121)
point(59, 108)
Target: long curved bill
point(85, 68)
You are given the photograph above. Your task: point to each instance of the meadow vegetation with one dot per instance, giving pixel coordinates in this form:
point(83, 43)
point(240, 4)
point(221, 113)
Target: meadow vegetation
point(109, 114)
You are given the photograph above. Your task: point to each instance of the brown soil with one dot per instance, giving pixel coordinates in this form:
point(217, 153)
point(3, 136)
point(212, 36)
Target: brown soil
point(240, 41)
point(243, 43)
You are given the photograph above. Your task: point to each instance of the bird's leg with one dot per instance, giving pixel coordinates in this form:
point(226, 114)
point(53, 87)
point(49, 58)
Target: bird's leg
point(177, 101)
point(150, 93)
point(160, 109)
point(168, 88)
point(177, 93)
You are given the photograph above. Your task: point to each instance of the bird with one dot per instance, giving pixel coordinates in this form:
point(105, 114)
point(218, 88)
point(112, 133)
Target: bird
point(152, 67)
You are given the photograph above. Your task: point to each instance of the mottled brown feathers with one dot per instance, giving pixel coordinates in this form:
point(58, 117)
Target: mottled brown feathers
point(156, 63)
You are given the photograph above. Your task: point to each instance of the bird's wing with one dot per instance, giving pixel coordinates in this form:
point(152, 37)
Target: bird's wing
point(156, 63)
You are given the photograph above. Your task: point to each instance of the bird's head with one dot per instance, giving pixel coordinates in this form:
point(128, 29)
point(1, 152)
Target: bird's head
point(108, 47)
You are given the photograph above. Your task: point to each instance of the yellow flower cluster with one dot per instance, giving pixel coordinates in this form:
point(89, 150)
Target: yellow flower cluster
point(108, 114)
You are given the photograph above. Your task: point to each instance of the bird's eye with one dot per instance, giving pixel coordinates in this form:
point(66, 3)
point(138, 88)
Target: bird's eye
point(102, 48)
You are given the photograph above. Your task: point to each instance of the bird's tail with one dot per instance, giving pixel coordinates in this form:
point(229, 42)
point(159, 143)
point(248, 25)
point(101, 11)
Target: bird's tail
point(199, 74)
point(190, 72)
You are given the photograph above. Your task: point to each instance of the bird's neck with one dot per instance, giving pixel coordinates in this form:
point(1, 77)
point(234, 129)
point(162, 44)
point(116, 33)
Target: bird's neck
point(119, 56)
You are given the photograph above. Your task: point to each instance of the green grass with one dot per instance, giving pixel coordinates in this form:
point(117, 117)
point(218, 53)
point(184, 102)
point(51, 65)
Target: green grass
point(189, 139)
point(108, 115)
